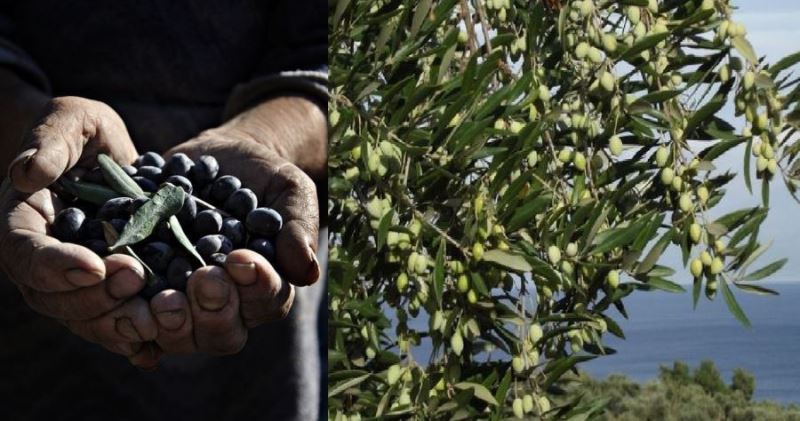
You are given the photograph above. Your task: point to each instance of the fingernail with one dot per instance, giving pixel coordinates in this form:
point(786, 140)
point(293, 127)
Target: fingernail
point(138, 270)
point(312, 274)
point(125, 328)
point(213, 294)
point(83, 278)
point(243, 273)
point(171, 320)
point(125, 283)
point(25, 156)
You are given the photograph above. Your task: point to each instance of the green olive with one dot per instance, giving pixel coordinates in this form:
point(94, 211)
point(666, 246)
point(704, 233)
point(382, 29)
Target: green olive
point(477, 251)
point(607, 81)
point(462, 284)
point(716, 266)
point(615, 145)
point(705, 258)
point(702, 194)
point(457, 343)
point(401, 282)
point(527, 404)
point(610, 43)
point(662, 156)
point(472, 297)
point(518, 364)
point(695, 232)
point(667, 175)
point(535, 332)
point(393, 374)
point(554, 254)
point(696, 268)
point(581, 50)
point(749, 79)
point(517, 408)
point(685, 202)
point(612, 279)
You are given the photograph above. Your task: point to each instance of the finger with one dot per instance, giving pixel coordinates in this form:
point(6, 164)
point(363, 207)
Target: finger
point(292, 193)
point(124, 279)
point(130, 323)
point(218, 328)
point(174, 316)
point(263, 295)
point(72, 128)
point(32, 258)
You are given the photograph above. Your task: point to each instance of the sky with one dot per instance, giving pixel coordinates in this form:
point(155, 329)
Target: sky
point(773, 31)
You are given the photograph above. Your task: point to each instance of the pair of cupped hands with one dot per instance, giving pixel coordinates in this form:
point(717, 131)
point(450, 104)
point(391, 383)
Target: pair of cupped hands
point(96, 298)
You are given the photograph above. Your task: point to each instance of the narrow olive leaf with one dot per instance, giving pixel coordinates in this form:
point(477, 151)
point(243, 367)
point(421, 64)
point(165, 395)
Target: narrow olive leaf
point(383, 229)
point(664, 285)
point(764, 81)
point(733, 305)
point(743, 46)
point(645, 43)
point(784, 63)
point(111, 235)
point(481, 392)
point(347, 384)
point(90, 192)
point(755, 255)
point(337, 14)
point(747, 178)
point(438, 272)
point(766, 270)
point(655, 253)
point(505, 384)
point(423, 7)
point(696, 293)
point(117, 178)
point(165, 203)
point(183, 240)
point(755, 289)
point(479, 284)
point(618, 237)
point(559, 367)
point(508, 260)
point(206, 206)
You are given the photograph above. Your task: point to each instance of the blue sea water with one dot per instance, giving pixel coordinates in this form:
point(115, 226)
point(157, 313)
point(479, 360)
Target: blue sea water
point(663, 328)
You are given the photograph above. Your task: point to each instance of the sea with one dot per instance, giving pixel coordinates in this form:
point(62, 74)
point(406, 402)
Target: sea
point(663, 327)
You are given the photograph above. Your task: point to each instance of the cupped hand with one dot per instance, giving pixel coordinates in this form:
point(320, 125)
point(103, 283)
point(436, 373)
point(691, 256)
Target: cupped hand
point(92, 296)
point(220, 305)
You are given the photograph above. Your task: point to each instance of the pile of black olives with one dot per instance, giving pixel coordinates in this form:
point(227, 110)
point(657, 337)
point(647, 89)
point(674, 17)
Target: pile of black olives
point(227, 217)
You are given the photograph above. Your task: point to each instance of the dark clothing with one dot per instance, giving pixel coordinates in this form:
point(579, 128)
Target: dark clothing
point(170, 68)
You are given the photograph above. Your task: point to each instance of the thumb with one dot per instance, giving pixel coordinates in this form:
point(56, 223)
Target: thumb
point(72, 130)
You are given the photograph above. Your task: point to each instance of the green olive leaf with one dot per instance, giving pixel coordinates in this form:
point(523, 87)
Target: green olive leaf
point(117, 178)
point(164, 204)
point(508, 260)
point(90, 192)
point(183, 240)
point(111, 235)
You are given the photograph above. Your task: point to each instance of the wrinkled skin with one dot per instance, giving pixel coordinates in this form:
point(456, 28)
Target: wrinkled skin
point(97, 298)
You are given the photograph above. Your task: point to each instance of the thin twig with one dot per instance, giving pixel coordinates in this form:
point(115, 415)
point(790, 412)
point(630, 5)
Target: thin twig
point(466, 15)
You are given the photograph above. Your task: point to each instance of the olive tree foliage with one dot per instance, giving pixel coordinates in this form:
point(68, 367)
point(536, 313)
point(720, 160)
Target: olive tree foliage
point(504, 173)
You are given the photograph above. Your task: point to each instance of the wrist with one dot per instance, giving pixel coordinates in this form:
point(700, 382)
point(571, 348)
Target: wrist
point(292, 127)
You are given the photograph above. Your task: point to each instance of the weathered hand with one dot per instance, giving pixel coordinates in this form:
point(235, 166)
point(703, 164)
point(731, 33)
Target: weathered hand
point(90, 295)
point(221, 305)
